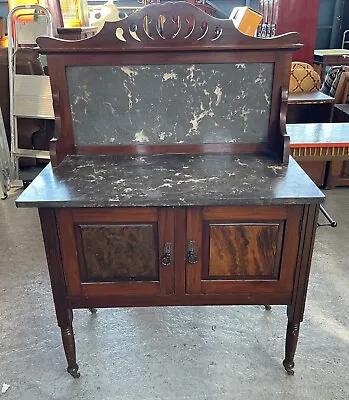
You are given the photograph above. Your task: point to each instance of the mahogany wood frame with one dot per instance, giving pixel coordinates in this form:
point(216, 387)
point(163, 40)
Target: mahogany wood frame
point(206, 40)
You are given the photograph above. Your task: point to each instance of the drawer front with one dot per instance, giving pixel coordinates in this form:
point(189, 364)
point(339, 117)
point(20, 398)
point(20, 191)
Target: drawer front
point(243, 249)
point(116, 252)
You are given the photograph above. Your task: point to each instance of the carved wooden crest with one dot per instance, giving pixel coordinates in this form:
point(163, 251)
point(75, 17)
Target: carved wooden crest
point(169, 25)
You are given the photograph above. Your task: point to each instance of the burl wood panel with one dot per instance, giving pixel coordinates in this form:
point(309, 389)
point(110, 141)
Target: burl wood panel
point(243, 250)
point(118, 252)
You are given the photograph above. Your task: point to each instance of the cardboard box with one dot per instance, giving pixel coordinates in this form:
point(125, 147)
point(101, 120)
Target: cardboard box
point(246, 20)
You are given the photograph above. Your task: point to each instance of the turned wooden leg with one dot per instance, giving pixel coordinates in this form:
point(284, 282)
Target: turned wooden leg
point(64, 312)
point(290, 347)
point(69, 349)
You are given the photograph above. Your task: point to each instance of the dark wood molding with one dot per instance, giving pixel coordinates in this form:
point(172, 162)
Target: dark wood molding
point(285, 143)
point(101, 301)
point(283, 110)
point(242, 148)
point(180, 220)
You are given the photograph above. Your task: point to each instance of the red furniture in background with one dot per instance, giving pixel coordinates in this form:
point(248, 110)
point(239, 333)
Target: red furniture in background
point(295, 16)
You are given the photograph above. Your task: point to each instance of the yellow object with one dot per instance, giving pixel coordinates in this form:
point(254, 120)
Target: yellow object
point(2, 29)
point(15, 3)
point(4, 42)
point(108, 12)
point(303, 78)
point(246, 20)
point(28, 14)
point(74, 13)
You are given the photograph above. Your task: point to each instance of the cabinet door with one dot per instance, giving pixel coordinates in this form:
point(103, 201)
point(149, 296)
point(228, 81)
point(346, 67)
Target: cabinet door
point(242, 249)
point(117, 251)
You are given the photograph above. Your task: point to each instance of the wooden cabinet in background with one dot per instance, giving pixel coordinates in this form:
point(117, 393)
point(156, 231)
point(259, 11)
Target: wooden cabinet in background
point(309, 107)
point(316, 170)
point(322, 150)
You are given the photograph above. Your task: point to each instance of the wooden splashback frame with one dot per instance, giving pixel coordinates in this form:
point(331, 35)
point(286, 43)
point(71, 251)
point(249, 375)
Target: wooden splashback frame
point(199, 38)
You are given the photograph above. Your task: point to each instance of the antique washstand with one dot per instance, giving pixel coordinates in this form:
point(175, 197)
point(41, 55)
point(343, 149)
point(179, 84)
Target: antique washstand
point(171, 181)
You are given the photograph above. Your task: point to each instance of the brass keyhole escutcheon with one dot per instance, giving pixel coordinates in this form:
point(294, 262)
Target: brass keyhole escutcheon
point(167, 257)
point(192, 256)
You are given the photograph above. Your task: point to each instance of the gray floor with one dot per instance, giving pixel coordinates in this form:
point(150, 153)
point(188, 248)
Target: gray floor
point(171, 353)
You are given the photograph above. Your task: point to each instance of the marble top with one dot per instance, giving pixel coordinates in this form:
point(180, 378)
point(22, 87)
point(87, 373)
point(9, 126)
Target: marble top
point(318, 134)
point(169, 180)
point(343, 107)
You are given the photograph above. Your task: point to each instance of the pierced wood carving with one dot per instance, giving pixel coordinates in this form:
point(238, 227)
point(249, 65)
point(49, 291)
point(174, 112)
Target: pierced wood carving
point(181, 23)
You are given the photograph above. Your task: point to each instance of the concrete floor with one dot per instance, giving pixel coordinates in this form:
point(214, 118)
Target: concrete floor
point(225, 353)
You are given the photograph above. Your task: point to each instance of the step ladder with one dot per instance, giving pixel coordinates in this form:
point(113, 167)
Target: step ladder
point(30, 95)
point(345, 40)
point(6, 170)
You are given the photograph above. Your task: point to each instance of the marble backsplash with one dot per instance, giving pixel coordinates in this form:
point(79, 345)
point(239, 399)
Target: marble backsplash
point(170, 104)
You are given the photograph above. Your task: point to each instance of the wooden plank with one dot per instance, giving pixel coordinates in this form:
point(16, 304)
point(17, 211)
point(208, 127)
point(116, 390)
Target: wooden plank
point(69, 251)
point(108, 215)
point(309, 98)
point(166, 237)
point(141, 149)
point(194, 234)
point(180, 225)
point(244, 286)
point(100, 301)
point(244, 213)
point(130, 289)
